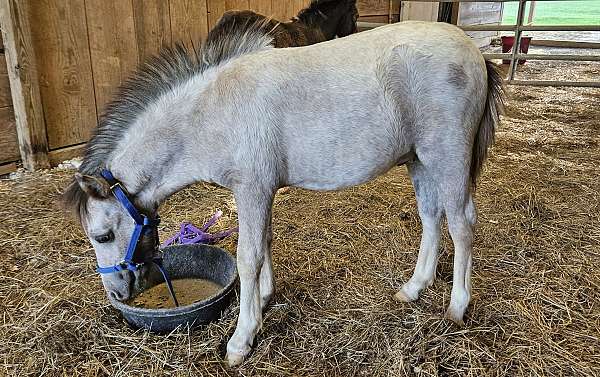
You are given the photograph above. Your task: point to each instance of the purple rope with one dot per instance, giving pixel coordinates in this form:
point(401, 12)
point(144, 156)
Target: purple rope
point(189, 234)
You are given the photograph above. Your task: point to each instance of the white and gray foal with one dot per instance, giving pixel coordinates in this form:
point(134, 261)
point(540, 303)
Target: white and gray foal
point(325, 117)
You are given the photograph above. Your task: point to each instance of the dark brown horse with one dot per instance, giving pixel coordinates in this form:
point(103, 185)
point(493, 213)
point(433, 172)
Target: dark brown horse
point(322, 20)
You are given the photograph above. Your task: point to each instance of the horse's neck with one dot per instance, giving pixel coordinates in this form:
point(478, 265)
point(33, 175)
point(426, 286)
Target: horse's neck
point(162, 151)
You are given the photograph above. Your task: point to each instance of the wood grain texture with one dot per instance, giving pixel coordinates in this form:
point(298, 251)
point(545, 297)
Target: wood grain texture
point(3, 67)
point(377, 7)
point(281, 10)
point(264, 7)
point(5, 95)
point(60, 40)
point(113, 46)
point(9, 144)
point(152, 26)
point(22, 71)
point(419, 11)
point(63, 154)
point(379, 19)
point(189, 21)
point(8, 168)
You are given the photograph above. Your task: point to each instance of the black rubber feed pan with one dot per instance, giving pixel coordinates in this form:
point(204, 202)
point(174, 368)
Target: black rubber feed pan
point(181, 262)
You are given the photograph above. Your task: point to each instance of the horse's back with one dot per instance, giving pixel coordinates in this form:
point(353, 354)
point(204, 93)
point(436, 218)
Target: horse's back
point(347, 110)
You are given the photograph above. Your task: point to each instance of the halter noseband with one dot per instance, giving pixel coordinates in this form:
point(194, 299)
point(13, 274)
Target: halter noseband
point(143, 225)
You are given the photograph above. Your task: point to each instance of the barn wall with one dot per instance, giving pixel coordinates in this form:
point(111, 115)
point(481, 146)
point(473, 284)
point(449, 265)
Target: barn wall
point(9, 146)
point(419, 11)
point(83, 50)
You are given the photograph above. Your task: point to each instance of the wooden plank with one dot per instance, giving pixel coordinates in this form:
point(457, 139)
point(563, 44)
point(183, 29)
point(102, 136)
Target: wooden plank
point(456, 12)
point(419, 11)
point(216, 8)
point(21, 63)
point(376, 7)
point(113, 46)
point(8, 168)
point(60, 40)
point(189, 22)
point(9, 144)
point(5, 95)
point(63, 154)
point(264, 7)
point(152, 26)
point(379, 19)
point(279, 9)
point(3, 67)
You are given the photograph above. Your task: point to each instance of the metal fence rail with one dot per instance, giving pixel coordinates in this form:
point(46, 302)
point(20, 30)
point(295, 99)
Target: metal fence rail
point(515, 55)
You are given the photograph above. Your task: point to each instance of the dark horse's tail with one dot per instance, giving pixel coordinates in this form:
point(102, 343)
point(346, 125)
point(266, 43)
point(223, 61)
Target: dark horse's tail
point(494, 107)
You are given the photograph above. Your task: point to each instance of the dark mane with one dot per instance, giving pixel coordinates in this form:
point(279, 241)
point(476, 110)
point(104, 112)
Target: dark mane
point(153, 78)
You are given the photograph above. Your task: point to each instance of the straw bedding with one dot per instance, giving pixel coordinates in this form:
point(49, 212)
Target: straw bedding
point(338, 259)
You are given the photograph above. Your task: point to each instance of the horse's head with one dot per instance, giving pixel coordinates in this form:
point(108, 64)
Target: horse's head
point(346, 23)
point(335, 18)
point(110, 228)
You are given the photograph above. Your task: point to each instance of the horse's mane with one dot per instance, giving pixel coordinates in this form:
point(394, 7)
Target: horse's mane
point(152, 79)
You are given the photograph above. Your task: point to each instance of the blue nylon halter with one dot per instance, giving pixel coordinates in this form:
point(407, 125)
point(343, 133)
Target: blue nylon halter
point(143, 224)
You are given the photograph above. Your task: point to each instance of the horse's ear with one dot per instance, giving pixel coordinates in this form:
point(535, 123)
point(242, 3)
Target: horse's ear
point(94, 187)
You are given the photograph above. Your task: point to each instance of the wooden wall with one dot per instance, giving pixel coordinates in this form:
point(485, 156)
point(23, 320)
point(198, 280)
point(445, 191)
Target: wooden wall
point(85, 49)
point(419, 11)
point(81, 51)
point(9, 147)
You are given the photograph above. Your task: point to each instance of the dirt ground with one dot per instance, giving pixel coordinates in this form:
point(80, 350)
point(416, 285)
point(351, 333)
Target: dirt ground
point(339, 257)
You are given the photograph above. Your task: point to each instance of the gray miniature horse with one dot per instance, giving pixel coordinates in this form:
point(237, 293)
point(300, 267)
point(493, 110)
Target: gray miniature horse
point(253, 118)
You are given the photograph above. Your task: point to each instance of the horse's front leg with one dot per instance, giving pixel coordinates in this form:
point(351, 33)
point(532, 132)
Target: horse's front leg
point(267, 280)
point(254, 216)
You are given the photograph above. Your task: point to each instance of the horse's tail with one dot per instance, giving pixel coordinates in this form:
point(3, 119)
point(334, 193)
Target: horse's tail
point(494, 107)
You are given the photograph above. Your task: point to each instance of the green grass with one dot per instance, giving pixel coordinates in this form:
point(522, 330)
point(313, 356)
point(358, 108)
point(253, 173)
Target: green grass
point(583, 12)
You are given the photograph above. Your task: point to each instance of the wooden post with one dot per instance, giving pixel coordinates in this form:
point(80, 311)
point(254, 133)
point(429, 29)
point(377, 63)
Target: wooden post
point(455, 13)
point(24, 86)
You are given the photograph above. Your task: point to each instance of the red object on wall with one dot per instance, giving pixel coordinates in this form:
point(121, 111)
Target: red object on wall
point(507, 44)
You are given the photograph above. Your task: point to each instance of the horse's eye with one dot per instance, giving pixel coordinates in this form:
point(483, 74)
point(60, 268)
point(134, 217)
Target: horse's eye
point(105, 237)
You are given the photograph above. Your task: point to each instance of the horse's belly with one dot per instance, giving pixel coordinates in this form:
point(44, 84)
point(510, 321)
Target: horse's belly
point(333, 164)
point(337, 177)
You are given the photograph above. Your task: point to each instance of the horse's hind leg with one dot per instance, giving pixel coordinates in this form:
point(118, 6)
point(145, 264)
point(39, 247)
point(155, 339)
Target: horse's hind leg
point(430, 211)
point(461, 215)
point(455, 194)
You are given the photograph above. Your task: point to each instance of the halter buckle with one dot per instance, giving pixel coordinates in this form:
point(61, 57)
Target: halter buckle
point(117, 183)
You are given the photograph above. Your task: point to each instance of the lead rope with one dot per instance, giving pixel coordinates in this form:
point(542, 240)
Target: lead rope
point(189, 234)
point(158, 263)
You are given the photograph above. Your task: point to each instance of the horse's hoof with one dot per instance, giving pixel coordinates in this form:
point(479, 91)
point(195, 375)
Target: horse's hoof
point(235, 359)
point(401, 296)
point(455, 317)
